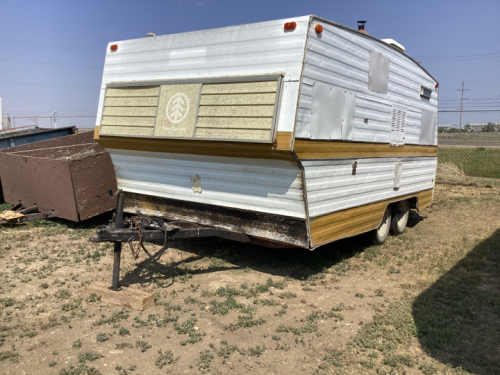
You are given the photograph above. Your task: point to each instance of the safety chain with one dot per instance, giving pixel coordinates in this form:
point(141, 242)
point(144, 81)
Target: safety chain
point(141, 222)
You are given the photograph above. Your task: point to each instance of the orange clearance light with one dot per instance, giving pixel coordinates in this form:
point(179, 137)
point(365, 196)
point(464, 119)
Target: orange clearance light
point(290, 25)
point(318, 28)
point(114, 47)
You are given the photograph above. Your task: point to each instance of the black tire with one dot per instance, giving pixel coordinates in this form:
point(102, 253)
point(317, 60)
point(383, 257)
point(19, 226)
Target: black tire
point(400, 214)
point(380, 234)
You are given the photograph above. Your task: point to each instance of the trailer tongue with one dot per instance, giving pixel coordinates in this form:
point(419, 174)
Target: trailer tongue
point(143, 228)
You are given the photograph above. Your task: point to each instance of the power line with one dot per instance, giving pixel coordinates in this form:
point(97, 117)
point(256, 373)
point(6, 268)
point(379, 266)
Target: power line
point(471, 110)
point(54, 46)
point(43, 63)
point(447, 100)
point(471, 107)
point(481, 56)
point(59, 116)
point(49, 85)
point(452, 57)
point(48, 110)
point(474, 80)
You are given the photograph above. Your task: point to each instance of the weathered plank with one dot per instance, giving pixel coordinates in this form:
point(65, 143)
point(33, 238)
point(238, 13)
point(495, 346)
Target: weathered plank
point(127, 297)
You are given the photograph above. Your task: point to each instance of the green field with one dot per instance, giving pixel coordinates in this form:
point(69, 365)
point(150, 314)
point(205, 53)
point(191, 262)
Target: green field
point(473, 136)
point(473, 161)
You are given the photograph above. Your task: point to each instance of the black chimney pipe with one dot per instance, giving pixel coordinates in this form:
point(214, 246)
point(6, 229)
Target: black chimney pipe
point(361, 26)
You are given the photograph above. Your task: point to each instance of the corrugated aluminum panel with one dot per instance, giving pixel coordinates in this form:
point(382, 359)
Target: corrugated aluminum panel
point(340, 58)
point(269, 186)
point(253, 49)
point(331, 186)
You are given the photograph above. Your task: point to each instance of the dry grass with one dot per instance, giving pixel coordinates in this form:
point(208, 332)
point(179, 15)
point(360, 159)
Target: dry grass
point(409, 306)
point(449, 173)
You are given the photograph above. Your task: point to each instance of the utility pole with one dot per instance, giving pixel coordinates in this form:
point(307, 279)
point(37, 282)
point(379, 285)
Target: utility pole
point(461, 104)
point(53, 116)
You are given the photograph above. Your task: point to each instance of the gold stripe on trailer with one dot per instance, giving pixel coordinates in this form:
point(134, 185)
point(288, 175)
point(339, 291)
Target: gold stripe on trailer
point(357, 220)
point(201, 147)
point(284, 140)
point(306, 149)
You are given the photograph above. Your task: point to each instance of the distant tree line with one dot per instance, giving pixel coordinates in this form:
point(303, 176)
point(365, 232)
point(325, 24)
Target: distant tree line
point(488, 128)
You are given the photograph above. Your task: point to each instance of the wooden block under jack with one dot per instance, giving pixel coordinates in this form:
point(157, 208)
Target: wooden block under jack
point(131, 298)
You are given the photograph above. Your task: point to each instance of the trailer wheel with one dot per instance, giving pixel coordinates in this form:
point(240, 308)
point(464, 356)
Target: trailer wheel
point(380, 234)
point(400, 214)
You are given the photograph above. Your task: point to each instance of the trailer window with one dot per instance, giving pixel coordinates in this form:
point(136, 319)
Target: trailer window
point(425, 92)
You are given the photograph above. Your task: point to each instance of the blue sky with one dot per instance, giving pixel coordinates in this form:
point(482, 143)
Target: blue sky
point(52, 52)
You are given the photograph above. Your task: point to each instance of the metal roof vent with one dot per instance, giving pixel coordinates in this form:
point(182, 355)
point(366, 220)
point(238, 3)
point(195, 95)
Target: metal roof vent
point(361, 27)
point(395, 44)
point(150, 35)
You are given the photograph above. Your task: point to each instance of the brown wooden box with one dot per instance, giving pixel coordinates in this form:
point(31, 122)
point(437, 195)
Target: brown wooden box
point(68, 175)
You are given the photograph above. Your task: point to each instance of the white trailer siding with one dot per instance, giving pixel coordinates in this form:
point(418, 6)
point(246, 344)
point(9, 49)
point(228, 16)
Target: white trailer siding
point(332, 187)
point(270, 186)
point(340, 58)
point(246, 50)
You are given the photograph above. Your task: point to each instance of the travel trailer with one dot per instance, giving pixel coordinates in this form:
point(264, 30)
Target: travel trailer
point(296, 132)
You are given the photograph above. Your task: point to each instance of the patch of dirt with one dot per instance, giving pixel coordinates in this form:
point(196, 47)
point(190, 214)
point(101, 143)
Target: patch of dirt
point(221, 307)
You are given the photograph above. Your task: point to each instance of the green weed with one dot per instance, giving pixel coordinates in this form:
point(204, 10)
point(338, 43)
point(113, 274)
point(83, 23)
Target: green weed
point(77, 344)
point(89, 356)
point(143, 345)
point(244, 322)
point(101, 337)
point(165, 358)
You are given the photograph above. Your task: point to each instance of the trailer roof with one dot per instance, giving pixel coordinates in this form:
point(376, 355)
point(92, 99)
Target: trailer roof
point(310, 16)
point(373, 38)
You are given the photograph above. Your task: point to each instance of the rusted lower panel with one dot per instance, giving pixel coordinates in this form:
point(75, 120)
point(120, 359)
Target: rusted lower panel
point(274, 228)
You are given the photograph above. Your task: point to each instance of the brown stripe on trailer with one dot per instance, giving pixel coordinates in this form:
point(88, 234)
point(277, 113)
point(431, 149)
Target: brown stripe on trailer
point(357, 220)
point(280, 151)
point(284, 140)
point(306, 149)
